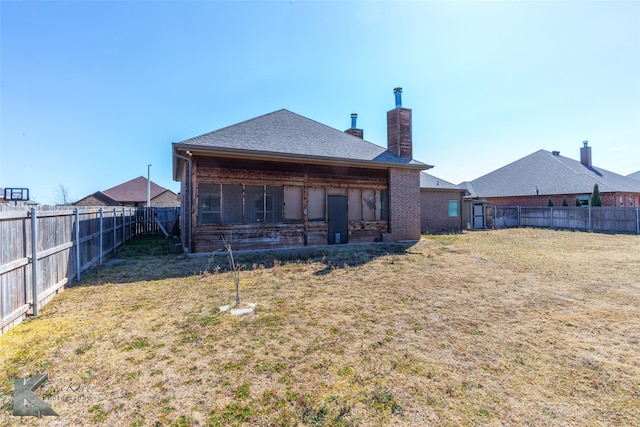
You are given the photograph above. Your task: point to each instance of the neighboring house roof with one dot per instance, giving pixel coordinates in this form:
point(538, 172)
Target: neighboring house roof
point(134, 190)
point(552, 174)
point(286, 135)
point(431, 182)
point(635, 175)
point(99, 195)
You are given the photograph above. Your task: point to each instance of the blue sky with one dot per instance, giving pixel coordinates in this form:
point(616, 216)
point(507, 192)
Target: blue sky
point(92, 92)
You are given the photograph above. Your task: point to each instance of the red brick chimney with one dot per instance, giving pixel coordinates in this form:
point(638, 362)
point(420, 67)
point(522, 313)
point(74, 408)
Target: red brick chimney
point(353, 130)
point(399, 129)
point(585, 154)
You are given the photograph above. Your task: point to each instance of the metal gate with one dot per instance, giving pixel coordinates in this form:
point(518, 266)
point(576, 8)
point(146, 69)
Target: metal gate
point(477, 214)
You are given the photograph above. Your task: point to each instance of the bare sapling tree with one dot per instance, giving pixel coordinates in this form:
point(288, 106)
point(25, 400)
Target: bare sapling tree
point(63, 197)
point(235, 268)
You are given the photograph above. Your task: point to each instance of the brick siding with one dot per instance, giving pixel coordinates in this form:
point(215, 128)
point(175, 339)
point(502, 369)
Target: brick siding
point(165, 199)
point(90, 201)
point(404, 205)
point(435, 211)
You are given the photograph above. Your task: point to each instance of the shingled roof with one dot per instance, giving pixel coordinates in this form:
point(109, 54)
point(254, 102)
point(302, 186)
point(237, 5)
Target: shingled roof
point(552, 174)
point(134, 190)
point(431, 182)
point(290, 136)
point(635, 175)
point(99, 195)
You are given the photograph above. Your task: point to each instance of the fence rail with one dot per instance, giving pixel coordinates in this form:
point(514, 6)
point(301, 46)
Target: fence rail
point(588, 218)
point(42, 249)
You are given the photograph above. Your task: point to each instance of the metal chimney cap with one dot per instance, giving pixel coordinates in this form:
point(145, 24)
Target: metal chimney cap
point(585, 143)
point(354, 115)
point(397, 89)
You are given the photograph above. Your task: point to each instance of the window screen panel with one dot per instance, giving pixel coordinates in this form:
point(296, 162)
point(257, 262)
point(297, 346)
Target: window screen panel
point(232, 206)
point(355, 204)
point(292, 203)
point(384, 205)
point(368, 204)
point(316, 209)
point(208, 204)
point(274, 204)
point(253, 195)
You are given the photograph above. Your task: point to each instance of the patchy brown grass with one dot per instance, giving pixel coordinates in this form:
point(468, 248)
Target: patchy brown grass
point(509, 327)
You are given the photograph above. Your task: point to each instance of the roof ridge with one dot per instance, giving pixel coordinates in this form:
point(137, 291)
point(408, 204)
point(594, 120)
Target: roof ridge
point(597, 170)
point(338, 130)
point(290, 112)
point(234, 124)
point(578, 172)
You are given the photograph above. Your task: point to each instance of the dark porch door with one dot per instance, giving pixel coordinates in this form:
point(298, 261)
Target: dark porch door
point(338, 221)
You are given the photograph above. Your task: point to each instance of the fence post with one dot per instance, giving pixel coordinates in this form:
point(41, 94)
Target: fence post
point(34, 259)
point(551, 215)
point(77, 229)
point(494, 218)
point(519, 216)
point(589, 217)
point(637, 220)
point(101, 232)
point(115, 230)
point(124, 229)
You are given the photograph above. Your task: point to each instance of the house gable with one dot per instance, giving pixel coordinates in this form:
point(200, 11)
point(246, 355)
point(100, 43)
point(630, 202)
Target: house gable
point(275, 180)
point(130, 193)
point(134, 190)
point(97, 199)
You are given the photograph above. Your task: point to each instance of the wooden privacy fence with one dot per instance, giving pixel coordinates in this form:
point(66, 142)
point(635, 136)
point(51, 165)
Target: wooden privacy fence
point(587, 218)
point(44, 248)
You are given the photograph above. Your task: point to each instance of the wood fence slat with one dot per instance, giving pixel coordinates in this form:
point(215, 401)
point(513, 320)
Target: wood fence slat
point(14, 265)
point(69, 240)
point(602, 218)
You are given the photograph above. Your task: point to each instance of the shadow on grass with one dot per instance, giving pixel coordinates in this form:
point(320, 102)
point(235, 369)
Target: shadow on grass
point(148, 258)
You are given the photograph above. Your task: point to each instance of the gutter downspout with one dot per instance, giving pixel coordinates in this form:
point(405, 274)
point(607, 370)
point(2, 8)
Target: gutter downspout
point(189, 198)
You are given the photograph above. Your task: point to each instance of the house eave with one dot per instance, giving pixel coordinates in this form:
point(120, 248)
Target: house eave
point(457, 190)
point(197, 150)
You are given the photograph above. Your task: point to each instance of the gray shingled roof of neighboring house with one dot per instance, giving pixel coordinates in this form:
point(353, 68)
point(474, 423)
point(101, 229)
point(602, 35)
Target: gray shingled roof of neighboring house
point(434, 183)
point(635, 175)
point(551, 174)
point(289, 135)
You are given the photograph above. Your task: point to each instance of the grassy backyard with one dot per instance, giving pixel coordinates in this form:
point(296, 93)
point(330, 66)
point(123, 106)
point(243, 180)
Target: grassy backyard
point(508, 327)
